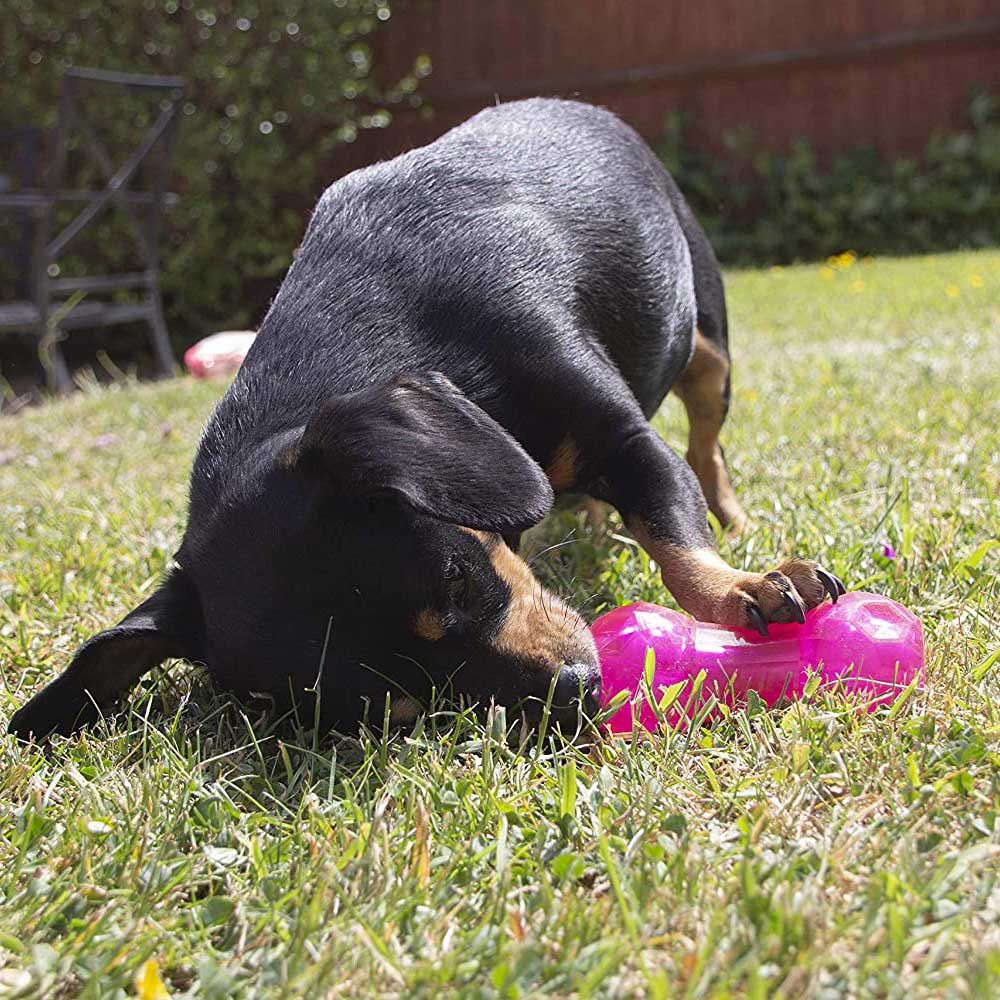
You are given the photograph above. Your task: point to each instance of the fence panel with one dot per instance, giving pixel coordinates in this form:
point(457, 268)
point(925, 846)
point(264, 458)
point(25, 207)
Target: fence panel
point(886, 74)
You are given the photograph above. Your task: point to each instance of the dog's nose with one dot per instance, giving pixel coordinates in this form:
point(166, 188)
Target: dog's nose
point(578, 684)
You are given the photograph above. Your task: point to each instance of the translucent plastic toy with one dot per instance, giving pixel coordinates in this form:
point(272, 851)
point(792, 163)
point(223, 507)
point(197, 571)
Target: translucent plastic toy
point(219, 355)
point(869, 646)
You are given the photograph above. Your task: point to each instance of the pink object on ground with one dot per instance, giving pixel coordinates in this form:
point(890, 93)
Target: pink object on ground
point(869, 644)
point(220, 354)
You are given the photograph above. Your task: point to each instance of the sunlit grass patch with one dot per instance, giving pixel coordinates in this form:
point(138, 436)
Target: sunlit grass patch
point(814, 851)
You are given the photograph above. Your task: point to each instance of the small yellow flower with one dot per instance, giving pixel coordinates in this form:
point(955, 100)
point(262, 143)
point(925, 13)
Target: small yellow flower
point(951, 291)
point(776, 269)
point(857, 286)
point(827, 272)
point(148, 984)
point(976, 280)
point(842, 261)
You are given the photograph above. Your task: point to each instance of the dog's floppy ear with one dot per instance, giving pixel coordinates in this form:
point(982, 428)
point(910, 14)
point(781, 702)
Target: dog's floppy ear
point(168, 624)
point(422, 438)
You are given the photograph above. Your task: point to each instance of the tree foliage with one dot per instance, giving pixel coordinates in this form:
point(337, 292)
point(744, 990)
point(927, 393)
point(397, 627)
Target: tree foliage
point(273, 88)
point(778, 207)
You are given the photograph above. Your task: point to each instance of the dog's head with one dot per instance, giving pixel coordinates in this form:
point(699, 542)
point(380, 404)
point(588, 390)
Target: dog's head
point(367, 551)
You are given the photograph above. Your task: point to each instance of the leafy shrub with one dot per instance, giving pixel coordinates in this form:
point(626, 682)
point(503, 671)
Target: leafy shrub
point(780, 207)
point(273, 87)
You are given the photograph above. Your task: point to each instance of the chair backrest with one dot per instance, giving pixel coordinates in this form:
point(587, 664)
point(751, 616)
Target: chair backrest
point(149, 152)
point(20, 169)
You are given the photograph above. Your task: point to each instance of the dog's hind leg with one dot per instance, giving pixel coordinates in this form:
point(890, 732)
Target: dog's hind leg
point(704, 385)
point(704, 391)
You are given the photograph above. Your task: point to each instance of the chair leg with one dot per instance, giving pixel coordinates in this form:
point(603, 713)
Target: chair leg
point(60, 373)
point(161, 337)
point(57, 374)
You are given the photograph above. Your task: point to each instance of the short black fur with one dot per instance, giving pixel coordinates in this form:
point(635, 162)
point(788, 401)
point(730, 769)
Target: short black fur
point(453, 317)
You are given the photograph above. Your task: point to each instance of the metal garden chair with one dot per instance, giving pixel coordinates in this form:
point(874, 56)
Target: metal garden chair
point(50, 304)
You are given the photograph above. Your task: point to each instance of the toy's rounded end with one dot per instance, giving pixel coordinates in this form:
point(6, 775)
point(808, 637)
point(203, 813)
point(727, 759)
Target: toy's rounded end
point(869, 644)
point(623, 636)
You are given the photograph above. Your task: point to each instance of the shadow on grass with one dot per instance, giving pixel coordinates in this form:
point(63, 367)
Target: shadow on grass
point(267, 757)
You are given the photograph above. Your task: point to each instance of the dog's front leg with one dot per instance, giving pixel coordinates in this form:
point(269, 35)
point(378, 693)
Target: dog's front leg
point(663, 506)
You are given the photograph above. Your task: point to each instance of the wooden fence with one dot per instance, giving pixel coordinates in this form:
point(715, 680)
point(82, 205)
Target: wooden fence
point(886, 73)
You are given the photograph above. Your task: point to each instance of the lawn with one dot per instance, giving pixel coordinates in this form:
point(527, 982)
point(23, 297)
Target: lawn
point(813, 851)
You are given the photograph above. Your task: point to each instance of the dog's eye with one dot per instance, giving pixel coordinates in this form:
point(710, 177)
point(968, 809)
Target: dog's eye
point(457, 582)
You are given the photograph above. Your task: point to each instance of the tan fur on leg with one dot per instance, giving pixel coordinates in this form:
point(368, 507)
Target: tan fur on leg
point(711, 590)
point(702, 390)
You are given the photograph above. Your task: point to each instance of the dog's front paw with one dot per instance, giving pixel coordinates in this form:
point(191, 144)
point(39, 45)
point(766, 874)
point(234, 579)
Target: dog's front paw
point(60, 708)
point(784, 595)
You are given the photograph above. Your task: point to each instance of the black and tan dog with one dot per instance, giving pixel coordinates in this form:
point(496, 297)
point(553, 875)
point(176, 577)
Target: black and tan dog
point(465, 330)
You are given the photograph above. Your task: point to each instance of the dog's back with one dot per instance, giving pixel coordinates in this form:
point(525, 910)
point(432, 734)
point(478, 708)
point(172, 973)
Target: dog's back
point(534, 235)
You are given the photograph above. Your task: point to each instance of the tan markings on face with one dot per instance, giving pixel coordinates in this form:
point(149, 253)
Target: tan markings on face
point(428, 625)
point(562, 468)
point(537, 626)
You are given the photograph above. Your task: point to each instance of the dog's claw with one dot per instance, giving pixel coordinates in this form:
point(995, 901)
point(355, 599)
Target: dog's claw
point(795, 603)
point(831, 584)
point(756, 617)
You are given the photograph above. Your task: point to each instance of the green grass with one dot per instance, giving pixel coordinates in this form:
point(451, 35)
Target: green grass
point(808, 852)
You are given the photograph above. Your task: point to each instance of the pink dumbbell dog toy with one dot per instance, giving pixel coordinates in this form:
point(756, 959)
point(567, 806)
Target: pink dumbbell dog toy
point(870, 646)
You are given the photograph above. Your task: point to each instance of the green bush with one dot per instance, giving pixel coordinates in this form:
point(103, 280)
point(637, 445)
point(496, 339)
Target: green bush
point(273, 87)
point(781, 207)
